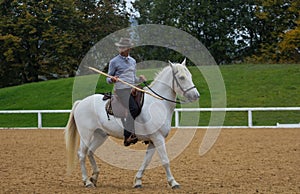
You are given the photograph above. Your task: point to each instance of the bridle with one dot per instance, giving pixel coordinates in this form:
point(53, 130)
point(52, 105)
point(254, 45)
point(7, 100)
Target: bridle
point(178, 84)
point(173, 84)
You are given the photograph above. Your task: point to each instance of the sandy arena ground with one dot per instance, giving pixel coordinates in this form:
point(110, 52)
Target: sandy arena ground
point(241, 161)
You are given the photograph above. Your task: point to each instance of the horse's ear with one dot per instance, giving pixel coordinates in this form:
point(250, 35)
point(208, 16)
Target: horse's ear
point(171, 64)
point(184, 62)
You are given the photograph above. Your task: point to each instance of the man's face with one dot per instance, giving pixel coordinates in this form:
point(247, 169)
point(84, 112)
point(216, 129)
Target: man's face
point(124, 51)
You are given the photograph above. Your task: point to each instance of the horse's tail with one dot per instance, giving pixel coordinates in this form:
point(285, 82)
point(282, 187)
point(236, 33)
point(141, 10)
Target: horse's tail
point(71, 139)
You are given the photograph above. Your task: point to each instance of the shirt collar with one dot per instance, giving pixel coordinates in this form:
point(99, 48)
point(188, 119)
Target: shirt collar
point(125, 58)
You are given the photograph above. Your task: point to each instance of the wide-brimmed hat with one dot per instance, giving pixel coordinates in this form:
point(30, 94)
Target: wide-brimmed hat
point(124, 42)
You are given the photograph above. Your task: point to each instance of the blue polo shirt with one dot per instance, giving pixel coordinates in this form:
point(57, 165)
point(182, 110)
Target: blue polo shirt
point(125, 69)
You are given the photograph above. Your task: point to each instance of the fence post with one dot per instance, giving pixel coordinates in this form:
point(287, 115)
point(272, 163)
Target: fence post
point(40, 120)
point(250, 118)
point(176, 118)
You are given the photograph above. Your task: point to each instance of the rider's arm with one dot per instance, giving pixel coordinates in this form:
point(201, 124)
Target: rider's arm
point(111, 71)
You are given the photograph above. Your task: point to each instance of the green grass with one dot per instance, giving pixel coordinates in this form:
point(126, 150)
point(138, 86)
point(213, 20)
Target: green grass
point(262, 85)
point(246, 86)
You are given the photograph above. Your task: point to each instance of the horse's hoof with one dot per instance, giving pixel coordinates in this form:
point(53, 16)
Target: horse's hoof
point(138, 186)
point(176, 187)
point(93, 181)
point(89, 185)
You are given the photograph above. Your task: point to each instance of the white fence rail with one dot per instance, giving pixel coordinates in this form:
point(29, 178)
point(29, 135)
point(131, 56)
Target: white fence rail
point(249, 110)
point(38, 112)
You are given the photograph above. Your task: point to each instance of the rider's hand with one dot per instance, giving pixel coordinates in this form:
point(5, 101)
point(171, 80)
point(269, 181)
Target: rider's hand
point(114, 79)
point(143, 78)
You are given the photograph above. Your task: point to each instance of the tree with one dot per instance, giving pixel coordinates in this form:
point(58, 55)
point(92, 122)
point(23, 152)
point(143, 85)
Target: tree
point(39, 39)
point(275, 18)
point(220, 25)
point(232, 30)
point(289, 45)
point(47, 39)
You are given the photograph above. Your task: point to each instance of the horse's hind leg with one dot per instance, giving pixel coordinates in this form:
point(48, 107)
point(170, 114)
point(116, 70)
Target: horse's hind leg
point(98, 140)
point(82, 157)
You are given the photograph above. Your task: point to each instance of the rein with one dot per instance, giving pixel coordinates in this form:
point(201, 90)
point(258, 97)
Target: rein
point(177, 102)
point(177, 82)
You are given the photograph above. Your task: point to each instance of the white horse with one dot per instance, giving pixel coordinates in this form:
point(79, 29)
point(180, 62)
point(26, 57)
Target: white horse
point(88, 118)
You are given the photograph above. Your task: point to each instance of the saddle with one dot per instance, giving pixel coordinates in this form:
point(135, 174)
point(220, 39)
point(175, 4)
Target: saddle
point(114, 106)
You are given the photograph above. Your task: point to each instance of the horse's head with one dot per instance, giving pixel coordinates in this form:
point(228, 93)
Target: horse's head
point(182, 81)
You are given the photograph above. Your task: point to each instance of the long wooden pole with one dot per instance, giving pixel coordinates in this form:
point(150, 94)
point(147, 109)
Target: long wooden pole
point(133, 86)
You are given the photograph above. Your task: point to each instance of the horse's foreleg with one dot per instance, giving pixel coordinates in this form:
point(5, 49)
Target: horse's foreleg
point(138, 177)
point(159, 143)
point(98, 140)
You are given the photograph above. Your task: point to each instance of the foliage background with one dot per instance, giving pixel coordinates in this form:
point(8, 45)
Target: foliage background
point(47, 39)
point(234, 31)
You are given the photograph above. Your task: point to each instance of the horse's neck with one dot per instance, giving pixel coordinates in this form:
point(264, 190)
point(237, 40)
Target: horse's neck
point(163, 86)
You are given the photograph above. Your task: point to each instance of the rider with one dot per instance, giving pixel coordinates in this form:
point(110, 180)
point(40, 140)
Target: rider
point(123, 66)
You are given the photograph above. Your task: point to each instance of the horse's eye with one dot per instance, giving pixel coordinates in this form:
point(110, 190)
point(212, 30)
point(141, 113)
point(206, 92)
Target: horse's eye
point(181, 77)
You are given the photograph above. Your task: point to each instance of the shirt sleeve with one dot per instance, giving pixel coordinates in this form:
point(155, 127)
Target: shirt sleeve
point(136, 79)
point(111, 71)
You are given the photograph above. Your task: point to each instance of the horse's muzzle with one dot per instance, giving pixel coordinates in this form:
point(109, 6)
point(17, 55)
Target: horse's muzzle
point(192, 95)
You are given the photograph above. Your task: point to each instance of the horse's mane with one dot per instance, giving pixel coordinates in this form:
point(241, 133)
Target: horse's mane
point(162, 71)
point(157, 74)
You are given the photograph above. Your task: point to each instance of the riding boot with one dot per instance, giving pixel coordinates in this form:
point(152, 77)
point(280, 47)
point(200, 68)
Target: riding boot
point(126, 133)
point(129, 138)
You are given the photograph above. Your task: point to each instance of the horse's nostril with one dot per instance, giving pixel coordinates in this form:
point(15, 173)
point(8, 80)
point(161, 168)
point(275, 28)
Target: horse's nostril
point(193, 96)
point(197, 96)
